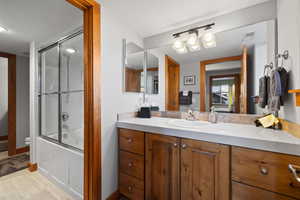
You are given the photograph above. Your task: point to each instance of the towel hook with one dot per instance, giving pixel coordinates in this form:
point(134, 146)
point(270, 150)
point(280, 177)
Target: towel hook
point(285, 55)
point(268, 66)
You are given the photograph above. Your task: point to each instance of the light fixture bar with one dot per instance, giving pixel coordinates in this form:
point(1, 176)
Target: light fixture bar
point(207, 26)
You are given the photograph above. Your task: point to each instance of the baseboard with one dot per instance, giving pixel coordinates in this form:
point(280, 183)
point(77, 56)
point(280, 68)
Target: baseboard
point(22, 150)
point(3, 138)
point(114, 196)
point(32, 167)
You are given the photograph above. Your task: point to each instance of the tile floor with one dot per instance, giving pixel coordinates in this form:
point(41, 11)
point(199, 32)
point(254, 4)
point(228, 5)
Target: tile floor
point(25, 185)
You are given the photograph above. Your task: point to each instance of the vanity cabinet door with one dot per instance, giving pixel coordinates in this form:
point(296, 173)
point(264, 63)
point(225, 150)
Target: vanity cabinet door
point(205, 171)
point(162, 167)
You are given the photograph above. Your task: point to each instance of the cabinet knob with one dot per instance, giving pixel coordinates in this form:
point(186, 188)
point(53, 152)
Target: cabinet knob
point(183, 146)
point(130, 188)
point(175, 145)
point(264, 171)
point(129, 140)
point(130, 164)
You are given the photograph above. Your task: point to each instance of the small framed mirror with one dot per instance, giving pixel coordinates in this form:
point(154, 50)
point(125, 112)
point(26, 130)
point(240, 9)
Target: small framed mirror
point(133, 67)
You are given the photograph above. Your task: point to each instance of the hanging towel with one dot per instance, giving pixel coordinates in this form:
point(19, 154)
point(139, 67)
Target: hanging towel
point(284, 78)
point(186, 100)
point(263, 91)
point(275, 91)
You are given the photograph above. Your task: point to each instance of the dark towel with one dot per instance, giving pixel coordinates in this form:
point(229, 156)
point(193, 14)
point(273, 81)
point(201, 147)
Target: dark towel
point(284, 78)
point(275, 91)
point(186, 100)
point(263, 92)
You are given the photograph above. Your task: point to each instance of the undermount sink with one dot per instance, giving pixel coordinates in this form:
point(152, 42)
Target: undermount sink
point(187, 123)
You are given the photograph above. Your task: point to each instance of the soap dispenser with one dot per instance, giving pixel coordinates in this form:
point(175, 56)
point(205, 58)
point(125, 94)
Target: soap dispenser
point(212, 115)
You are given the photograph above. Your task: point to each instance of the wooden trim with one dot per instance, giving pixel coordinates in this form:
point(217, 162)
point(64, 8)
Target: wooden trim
point(114, 196)
point(297, 96)
point(203, 76)
point(22, 150)
point(169, 61)
point(12, 79)
point(32, 167)
point(3, 138)
point(290, 127)
point(152, 69)
point(92, 122)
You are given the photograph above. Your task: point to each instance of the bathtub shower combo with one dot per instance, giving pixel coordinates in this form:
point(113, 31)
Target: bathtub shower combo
point(61, 92)
point(61, 113)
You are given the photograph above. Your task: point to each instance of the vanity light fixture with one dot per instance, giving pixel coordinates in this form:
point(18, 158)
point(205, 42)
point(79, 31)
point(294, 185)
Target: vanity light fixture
point(2, 29)
point(192, 42)
point(70, 50)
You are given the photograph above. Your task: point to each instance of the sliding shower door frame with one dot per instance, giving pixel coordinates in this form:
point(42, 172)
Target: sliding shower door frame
point(57, 44)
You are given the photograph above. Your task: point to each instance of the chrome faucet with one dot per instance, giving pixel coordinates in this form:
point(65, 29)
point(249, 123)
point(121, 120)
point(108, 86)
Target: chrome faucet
point(213, 115)
point(190, 115)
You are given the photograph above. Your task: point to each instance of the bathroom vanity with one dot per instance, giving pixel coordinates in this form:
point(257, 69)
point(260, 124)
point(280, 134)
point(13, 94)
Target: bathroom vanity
point(164, 158)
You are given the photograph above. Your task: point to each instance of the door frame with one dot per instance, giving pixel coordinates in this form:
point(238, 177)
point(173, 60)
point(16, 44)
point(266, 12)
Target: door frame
point(203, 77)
point(169, 60)
point(92, 120)
point(12, 108)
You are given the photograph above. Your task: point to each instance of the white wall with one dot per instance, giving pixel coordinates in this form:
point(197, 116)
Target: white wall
point(289, 39)
point(113, 100)
point(190, 69)
point(22, 100)
point(3, 96)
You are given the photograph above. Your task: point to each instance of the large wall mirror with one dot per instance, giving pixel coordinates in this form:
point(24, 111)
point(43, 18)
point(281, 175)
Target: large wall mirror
point(223, 73)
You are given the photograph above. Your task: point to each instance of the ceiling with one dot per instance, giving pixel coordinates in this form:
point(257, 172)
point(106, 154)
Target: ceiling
point(148, 18)
point(229, 43)
point(136, 60)
point(223, 66)
point(35, 20)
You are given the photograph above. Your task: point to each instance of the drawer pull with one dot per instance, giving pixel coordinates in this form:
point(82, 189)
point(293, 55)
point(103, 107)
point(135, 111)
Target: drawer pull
point(129, 188)
point(129, 140)
point(175, 145)
point(295, 170)
point(264, 171)
point(183, 146)
point(130, 164)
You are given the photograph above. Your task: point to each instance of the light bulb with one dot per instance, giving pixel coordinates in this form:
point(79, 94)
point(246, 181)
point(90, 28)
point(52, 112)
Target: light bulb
point(178, 44)
point(182, 50)
point(209, 40)
point(70, 50)
point(195, 47)
point(192, 39)
point(210, 44)
point(2, 29)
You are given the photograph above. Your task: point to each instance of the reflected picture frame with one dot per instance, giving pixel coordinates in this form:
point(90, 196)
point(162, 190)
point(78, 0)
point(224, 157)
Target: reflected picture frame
point(189, 80)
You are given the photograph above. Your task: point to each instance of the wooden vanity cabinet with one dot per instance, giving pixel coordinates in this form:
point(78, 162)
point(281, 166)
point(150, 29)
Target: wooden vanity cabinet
point(205, 170)
point(159, 167)
point(162, 167)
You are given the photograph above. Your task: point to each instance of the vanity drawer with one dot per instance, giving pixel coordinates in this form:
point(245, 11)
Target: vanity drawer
point(265, 170)
point(131, 187)
point(132, 164)
point(245, 192)
point(132, 141)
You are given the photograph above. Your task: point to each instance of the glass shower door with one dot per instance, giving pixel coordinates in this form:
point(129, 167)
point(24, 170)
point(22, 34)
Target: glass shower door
point(62, 92)
point(49, 91)
point(72, 92)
